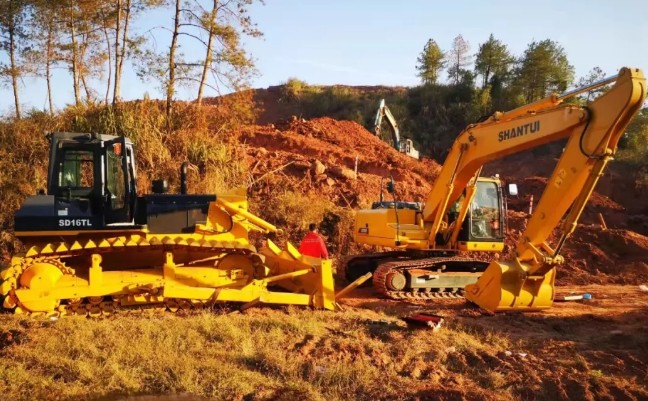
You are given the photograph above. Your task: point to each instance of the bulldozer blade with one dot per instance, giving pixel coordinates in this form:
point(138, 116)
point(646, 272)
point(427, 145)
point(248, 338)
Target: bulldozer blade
point(504, 286)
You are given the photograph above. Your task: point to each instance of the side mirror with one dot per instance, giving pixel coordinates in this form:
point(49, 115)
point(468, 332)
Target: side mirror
point(512, 189)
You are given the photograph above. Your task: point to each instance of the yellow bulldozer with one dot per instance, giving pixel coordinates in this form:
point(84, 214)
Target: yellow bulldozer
point(466, 212)
point(94, 246)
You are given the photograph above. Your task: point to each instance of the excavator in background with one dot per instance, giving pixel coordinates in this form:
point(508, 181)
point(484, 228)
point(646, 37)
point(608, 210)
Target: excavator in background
point(94, 246)
point(405, 146)
point(466, 212)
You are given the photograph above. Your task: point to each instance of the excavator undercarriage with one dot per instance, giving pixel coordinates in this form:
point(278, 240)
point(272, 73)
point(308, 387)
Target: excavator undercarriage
point(416, 274)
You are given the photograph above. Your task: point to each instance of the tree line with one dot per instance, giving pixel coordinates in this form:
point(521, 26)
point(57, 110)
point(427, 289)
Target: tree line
point(93, 39)
point(504, 80)
point(490, 79)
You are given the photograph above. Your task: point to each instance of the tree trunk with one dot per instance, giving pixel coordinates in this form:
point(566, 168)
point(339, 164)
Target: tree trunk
point(172, 50)
point(86, 88)
point(74, 62)
point(82, 66)
point(14, 68)
point(110, 60)
point(208, 55)
point(122, 56)
point(48, 68)
point(116, 92)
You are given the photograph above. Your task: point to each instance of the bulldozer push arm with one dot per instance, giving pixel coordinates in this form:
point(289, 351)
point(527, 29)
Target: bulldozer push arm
point(527, 281)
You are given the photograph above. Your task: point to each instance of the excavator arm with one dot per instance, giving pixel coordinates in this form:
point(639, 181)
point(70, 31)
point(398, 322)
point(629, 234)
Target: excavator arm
point(526, 282)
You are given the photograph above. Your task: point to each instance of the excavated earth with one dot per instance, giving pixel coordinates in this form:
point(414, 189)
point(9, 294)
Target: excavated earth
point(321, 157)
point(576, 351)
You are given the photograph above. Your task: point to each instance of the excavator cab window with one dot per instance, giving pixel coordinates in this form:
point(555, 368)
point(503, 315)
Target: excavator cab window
point(485, 217)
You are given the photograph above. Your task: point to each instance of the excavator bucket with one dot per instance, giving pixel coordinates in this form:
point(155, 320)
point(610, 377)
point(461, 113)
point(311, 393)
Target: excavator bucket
point(504, 286)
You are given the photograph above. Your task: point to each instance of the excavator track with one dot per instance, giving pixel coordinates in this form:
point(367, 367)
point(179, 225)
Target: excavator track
point(384, 270)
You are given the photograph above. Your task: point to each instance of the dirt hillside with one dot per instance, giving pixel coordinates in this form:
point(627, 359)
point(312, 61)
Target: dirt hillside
point(319, 157)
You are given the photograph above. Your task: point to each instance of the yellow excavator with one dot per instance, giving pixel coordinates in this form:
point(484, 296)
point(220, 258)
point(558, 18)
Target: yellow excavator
point(405, 145)
point(466, 212)
point(94, 246)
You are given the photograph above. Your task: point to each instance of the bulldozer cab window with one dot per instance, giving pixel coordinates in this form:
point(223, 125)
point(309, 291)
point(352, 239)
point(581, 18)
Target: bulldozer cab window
point(485, 212)
point(76, 170)
point(115, 179)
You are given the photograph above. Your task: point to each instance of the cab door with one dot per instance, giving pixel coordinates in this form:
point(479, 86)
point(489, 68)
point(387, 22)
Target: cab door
point(118, 194)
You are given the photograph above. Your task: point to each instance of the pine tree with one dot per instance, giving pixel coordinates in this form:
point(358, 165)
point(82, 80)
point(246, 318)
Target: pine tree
point(544, 69)
point(493, 58)
point(430, 62)
point(459, 59)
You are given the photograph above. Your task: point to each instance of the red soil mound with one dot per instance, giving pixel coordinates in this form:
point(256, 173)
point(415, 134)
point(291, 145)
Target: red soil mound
point(320, 156)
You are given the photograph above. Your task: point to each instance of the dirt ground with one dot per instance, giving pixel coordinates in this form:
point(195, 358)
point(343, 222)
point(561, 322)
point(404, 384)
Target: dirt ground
point(587, 350)
point(579, 350)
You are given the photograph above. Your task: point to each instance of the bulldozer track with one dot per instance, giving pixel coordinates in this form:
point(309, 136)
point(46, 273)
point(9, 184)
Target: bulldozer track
point(383, 270)
point(138, 300)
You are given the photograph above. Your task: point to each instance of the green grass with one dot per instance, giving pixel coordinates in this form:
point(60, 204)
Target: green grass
point(288, 353)
point(266, 354)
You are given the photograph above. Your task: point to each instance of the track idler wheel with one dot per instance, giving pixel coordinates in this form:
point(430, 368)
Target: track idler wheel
point(35, 287)
point(396, 281)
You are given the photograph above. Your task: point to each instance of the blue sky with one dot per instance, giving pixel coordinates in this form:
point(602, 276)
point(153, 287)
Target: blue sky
point(366, 42)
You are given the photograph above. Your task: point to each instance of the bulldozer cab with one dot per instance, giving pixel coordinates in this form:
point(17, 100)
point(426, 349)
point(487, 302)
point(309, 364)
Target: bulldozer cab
point(91, 178)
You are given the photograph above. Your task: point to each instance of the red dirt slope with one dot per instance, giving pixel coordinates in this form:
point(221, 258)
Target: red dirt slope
point(319, 157)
